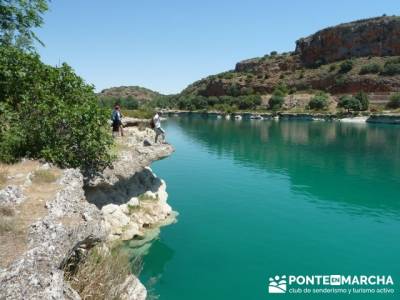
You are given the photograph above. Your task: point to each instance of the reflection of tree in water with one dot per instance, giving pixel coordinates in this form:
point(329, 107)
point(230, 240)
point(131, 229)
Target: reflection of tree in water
point(320, 158)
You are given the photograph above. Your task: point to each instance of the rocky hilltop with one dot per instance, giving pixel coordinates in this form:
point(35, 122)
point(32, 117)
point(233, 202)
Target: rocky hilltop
point(358, 56)
point(49, 218)
point(370, 37)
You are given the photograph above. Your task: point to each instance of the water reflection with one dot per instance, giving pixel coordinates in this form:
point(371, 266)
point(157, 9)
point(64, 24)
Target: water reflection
point(356, 165)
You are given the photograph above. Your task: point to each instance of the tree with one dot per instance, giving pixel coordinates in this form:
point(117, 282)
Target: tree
point(276, 102)
point(319, 101)
point(129, 103)
point(394, 101)
point(51, 113)
point(373, 68)
point(346, 66)
point(364, 101)
point(350, 103)
point(17, 19)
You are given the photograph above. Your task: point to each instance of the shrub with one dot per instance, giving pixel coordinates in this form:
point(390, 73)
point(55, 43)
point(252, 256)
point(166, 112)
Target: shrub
point(346, 66)
point(100, 274)
point(281, 90)
point(233, 90)
point(319, 101)
point(129, 103)
point(276, 101)
point(273, 53)
point(249, 102)
point(394, 101)
point(51, 113)
point(391, 69)
point(350, 103)
point(373, 68)
point(364, 101)
point(332, 67)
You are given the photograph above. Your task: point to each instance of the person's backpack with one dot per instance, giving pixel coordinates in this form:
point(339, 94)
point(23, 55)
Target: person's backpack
point(115, 116)
point(152, 124)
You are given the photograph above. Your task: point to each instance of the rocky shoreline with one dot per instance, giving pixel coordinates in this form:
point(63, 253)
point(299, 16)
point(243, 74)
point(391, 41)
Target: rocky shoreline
point(383, 118)
point(120, 204)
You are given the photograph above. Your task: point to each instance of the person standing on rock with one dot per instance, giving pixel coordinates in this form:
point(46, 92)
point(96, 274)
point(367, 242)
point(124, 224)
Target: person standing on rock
point(116, 118)
point(156, 124)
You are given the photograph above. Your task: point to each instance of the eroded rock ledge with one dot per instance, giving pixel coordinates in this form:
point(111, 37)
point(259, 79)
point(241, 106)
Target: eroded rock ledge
point(121, 203)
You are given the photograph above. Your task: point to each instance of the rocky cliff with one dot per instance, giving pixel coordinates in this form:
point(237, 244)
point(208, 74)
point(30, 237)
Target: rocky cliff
point(48, 216)
point(319, 63)
point(370, 37)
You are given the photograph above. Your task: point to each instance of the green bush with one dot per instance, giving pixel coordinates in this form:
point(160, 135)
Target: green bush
point(394, 101)
point(346, 66)
point(373, 68)
point(249, 102)
point(364, 101)
point(273, 53)
point(391, 69)
point(350, 103)
point(332, 67)
point(51, 113)
point(276, 102)
point(319, 101)
point(281, 90)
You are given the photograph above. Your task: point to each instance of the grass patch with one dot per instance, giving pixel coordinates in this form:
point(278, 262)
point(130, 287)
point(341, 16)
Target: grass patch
point(144, 197)
point(100, 273)
point(3, 177)
point(44, 176)
point(6, 211)
point(7, 221)
point(133, 208)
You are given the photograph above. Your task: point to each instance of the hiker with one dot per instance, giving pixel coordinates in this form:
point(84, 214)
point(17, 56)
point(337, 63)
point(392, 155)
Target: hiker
point(116, 118)
point(156, 125)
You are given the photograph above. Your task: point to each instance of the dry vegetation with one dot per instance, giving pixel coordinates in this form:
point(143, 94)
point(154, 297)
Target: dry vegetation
point(44, 176)
point(16, 219)
point(100, 273)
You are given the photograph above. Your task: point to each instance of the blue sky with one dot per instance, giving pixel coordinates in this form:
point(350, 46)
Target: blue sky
point(166, 45)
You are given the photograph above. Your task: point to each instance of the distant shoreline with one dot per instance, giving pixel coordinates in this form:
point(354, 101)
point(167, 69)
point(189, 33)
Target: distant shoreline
point(384, 118)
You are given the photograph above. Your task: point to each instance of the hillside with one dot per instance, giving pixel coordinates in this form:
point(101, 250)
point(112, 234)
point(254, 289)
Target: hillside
point(348, 58)
point(141, 94)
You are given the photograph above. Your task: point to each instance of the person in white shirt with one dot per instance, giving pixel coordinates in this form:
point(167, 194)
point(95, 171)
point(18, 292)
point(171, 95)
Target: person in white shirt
point(157, 127)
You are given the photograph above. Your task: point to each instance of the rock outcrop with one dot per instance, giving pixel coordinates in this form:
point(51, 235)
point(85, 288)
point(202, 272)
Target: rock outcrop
point(71, 222)
point(315, 65)
point(370, 37)
point(121, 203)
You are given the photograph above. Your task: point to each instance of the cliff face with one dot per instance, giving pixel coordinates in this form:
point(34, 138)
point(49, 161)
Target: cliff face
point(371, 37)
point(43, 224)
point(316, 64)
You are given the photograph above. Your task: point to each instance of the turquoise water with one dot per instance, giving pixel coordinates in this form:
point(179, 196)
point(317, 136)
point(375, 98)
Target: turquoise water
point(260, 198)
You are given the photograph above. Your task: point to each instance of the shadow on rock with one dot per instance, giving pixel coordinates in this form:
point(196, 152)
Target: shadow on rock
point(122, 191)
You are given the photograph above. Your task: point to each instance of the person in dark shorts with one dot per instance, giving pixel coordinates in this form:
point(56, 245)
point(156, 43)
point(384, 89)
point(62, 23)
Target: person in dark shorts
point(116, 118)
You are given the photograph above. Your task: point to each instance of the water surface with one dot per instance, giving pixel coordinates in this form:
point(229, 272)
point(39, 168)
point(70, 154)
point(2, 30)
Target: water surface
point(259, 198)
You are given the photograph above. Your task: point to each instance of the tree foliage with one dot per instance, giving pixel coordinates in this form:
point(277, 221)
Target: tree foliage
point(363, 98)
point(394, 101)
point(17, 19)
point(319, 101)
point(350, 103)
point(51, 113)
point(346, 66)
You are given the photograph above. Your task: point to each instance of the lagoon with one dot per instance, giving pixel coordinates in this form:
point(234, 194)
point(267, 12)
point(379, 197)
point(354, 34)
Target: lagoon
point(263, 198)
